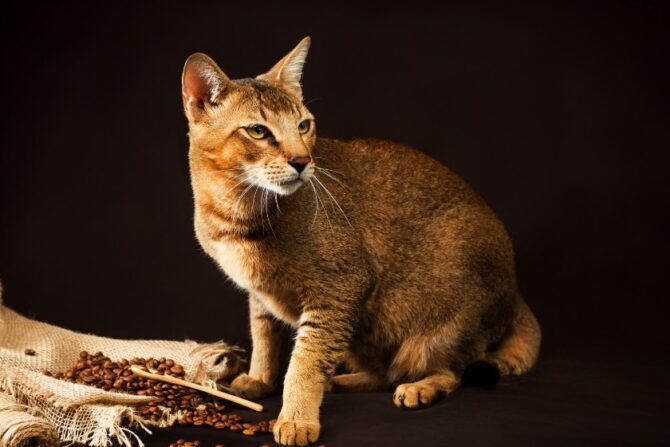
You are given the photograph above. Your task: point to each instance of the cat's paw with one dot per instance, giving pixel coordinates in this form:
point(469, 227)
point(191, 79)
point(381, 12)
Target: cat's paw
point(296, 432)
point(249, 387)
point(414, 395)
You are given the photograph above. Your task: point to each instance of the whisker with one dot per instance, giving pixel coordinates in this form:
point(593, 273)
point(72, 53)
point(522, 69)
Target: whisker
point(323, 206)
point(266, 193)
point(235, 177)
point(237, 203)
point(334, 200)
point(263, 205)
point(277, 202)
point(236, 185)
point(329, 170)
point(332, 176)
point(253, 200)
point(311, 101)
point(316, 203)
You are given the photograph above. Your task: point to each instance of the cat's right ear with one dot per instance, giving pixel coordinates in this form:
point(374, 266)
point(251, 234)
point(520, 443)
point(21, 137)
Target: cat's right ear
point(202, 84)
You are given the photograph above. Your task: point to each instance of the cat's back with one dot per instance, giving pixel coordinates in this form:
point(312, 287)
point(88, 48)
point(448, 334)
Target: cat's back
point(397, 196)
point(393, 174)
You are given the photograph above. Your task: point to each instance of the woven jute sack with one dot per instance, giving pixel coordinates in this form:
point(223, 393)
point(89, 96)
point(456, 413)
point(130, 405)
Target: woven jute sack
point(42, 410)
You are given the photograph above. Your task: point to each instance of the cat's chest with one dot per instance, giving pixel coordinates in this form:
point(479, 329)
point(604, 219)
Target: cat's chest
point(252, 270)
point(241, 264)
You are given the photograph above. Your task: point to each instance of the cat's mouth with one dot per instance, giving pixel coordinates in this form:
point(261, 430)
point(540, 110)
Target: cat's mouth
point(293, 182)
point(285, 186)
point(288, 187)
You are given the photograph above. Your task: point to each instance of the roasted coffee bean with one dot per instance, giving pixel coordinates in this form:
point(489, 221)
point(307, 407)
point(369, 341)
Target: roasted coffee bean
point(29, 351)
point(183, 443)
point(195, 408)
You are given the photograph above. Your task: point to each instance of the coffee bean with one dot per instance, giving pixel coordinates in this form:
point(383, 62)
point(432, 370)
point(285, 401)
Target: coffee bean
point(29, 351)
point(195, 408)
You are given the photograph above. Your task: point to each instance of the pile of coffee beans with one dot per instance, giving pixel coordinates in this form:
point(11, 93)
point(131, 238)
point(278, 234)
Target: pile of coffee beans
point(194, 408)
point(185, 443)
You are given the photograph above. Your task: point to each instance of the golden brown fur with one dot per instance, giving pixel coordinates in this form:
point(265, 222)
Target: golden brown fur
point(408, 278)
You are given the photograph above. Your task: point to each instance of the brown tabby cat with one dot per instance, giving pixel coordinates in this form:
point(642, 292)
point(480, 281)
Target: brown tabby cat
point(378, 255)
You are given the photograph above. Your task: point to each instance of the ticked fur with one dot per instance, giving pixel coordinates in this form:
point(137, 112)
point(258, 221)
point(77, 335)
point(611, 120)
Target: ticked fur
point(377, 255)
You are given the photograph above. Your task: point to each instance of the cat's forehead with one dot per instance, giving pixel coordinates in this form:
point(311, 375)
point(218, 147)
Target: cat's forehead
point(265, 97)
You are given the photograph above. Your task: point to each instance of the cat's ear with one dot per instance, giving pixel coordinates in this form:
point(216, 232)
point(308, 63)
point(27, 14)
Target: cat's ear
point(202, 84)
point(288, 71)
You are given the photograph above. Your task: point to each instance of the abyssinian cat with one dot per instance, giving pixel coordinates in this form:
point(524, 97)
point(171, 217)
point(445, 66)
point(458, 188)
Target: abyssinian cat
point(378, 255)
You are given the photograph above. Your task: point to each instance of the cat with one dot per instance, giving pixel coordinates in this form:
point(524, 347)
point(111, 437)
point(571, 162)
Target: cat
point(379, 256)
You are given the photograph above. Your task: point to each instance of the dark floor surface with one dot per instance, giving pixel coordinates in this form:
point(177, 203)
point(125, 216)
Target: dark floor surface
point(566, 401)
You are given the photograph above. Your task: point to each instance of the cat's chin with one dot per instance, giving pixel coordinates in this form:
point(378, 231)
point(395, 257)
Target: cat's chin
point(287, 188)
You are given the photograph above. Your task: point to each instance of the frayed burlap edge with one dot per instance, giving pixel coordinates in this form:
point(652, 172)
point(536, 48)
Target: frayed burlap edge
point(95, 420)
point(20, 427)
point(45, 410)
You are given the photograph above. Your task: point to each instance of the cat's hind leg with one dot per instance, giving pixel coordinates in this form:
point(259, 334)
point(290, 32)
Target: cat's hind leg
point(425, 391)
point(434, 362)
point(517, 352)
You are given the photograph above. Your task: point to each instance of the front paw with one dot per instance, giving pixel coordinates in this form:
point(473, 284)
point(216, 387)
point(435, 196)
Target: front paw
point(249, 387)
point(296, 432)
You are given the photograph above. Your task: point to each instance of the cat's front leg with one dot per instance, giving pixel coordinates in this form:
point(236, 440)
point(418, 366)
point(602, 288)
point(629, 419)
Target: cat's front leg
point(322, 339)
point(264, 366)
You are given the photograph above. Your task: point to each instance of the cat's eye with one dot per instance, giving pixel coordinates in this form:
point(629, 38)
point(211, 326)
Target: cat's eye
point(304, 126)
point(257, 131)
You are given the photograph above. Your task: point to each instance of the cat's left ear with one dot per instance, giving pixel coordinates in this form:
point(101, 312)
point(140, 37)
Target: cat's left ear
point(288, 71)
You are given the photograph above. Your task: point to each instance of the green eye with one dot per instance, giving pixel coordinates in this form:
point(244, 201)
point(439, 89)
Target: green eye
point(258, 131)
point(304, 126)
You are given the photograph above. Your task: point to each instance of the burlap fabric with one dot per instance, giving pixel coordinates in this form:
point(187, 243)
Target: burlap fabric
point(41, 410)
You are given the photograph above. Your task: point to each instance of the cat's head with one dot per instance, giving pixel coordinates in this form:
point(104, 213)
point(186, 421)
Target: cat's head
point(254, 131)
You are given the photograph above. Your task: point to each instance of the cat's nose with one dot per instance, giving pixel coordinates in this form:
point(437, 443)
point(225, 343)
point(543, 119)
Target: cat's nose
point(299, 163)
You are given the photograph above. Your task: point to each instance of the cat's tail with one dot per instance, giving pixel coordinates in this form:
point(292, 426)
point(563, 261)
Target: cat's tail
point(517, 352)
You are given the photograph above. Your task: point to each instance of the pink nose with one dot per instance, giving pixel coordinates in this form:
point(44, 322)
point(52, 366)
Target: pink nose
point(299, 163)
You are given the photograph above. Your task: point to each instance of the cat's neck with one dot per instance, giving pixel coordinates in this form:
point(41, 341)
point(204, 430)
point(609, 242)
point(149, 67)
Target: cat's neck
point(241, 212)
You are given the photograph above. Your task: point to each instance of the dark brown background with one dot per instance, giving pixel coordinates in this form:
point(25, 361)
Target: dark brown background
point(554, 113)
